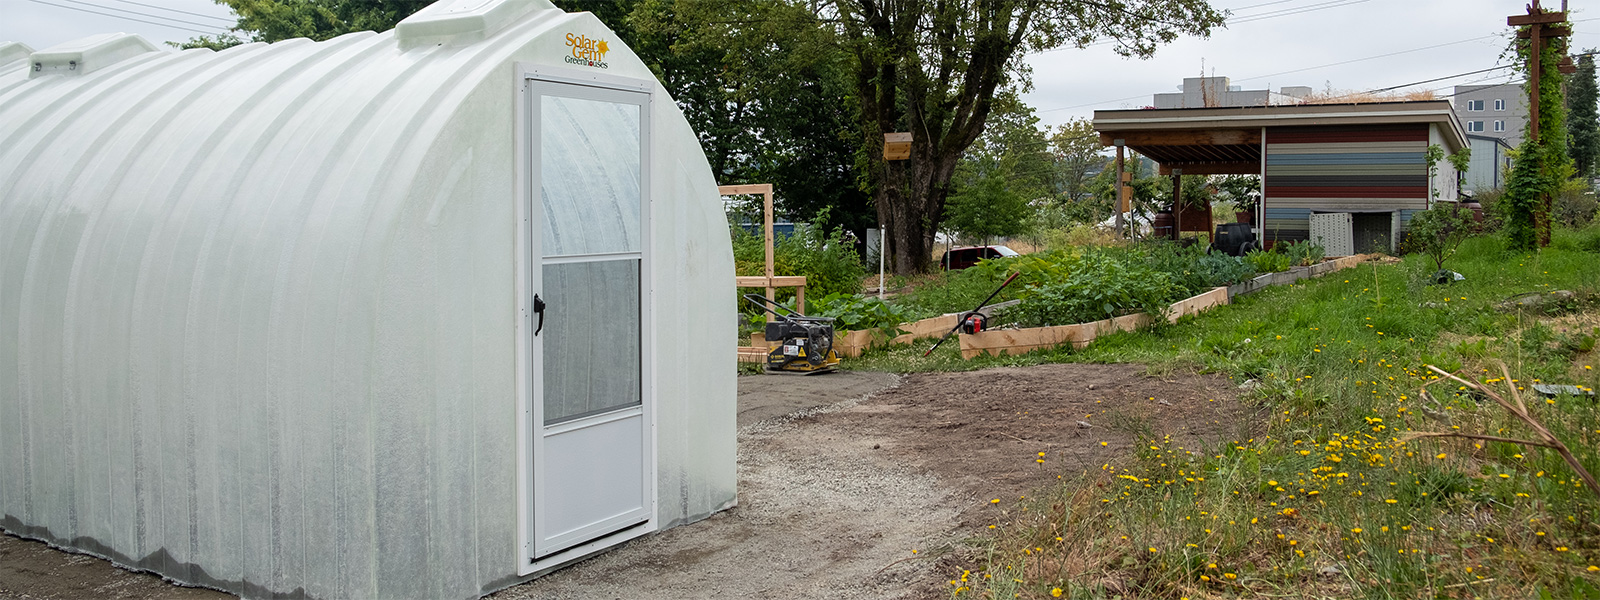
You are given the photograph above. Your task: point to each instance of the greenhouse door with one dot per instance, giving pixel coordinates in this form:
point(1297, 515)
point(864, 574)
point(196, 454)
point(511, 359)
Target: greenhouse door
point(592, 423)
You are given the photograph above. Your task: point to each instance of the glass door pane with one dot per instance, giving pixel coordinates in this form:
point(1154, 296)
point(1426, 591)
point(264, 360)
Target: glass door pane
point(592, 355)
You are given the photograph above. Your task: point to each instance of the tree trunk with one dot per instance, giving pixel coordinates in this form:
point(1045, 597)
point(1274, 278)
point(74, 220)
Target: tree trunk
point(911, 195)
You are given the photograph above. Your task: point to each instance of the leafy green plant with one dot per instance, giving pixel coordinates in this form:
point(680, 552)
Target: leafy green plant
point(1265, 261)
point(827, 259)
point(854, 312)
point(1194, 269)
point(1102, 285)
point(1303, 253)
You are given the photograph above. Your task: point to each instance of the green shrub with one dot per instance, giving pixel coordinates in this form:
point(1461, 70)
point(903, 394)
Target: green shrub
point(1302, 253)
point(827, 259)
point(1194, 269)
point(1586, 240)
point(1265, 261)
point(852, 312)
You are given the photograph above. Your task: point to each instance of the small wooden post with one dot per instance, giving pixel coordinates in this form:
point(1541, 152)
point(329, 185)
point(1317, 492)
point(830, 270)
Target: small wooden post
point(766, 199)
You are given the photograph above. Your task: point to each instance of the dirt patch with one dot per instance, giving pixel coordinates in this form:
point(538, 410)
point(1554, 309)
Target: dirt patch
point(820, 514)
point(1577, 325)
point(981, 432)
point(832, 500)
point(839, 480)
point(34, 570)
point(763, 397)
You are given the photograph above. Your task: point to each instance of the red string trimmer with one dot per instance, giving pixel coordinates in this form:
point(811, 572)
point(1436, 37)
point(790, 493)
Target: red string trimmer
point(972, 320)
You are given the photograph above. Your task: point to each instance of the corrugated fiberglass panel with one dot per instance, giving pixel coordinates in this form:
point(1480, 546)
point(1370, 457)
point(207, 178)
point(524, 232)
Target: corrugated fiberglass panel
point(589, 180)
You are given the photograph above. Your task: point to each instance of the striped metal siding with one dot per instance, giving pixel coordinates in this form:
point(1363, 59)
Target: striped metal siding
point(1366, 168)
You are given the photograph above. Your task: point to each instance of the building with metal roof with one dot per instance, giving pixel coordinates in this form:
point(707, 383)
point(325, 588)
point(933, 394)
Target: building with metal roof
point(1359, 168)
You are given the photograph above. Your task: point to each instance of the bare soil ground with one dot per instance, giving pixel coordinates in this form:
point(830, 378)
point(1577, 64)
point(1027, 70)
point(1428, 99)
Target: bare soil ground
point(33, 570)
point(841, 477)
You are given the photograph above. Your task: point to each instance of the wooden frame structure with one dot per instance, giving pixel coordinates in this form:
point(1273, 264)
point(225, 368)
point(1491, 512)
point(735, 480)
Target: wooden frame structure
point(770, 280)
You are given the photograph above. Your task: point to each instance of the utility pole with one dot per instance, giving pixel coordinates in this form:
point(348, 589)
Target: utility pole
point(1541, 26)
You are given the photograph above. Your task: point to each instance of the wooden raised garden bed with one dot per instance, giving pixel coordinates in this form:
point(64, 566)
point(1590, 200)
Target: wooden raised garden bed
point(1296, 274)
point(1019, 341)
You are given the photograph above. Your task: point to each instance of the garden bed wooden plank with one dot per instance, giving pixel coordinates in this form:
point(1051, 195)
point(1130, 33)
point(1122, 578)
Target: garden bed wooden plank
point(929, 327)
point(752, 354)
point(1019, 341)
point(850, 344)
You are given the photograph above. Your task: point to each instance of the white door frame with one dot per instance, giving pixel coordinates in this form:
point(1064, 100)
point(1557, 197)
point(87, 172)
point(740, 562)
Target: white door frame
point(525, 262)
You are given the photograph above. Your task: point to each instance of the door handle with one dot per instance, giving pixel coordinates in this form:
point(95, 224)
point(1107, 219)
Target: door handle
point(538, 308)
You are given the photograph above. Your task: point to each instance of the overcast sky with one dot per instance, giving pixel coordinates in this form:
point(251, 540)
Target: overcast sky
point(1301, 42)
point(1276, 43)
point(45, 23)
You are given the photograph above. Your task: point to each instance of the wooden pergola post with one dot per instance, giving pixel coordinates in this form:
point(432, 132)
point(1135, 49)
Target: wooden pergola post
point(1177, 204)
point(769, 279)
point(1121, 202)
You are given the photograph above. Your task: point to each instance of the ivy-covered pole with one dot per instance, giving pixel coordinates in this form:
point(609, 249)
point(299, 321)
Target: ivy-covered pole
point(1543, 163)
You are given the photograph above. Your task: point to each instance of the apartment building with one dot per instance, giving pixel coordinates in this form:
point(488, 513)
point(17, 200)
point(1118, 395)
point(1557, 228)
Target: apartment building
point(1497, 111)
point(1202, 92)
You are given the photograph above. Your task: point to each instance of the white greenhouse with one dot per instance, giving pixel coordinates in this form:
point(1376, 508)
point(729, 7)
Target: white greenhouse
point(423, 313)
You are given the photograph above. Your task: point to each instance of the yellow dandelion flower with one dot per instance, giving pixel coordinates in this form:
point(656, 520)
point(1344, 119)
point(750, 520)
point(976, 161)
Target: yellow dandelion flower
point(1055, 592)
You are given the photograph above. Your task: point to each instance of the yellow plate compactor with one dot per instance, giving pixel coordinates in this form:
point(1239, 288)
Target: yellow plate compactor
point(799, 344)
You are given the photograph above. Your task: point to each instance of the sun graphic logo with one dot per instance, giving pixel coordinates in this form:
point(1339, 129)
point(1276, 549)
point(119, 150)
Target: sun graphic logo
point(587, 51)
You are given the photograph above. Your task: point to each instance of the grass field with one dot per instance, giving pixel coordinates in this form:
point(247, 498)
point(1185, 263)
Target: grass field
point(1328, 501)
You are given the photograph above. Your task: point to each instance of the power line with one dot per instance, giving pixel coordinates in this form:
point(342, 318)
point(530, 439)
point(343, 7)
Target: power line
point(1494, 68)
point(1404, 85)
point(1334, 64)
point(137, 13)
point(1295, 11)
point(1261, 5)
point(1386, 55)
point(115, 16)
point(185, 12)
point(1248, 19)
point(1302, 70)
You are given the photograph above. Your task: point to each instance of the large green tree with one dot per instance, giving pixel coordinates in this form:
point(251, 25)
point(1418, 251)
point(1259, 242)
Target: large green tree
point(933, 68)
point(760, 81)
point(1583, 124)
point(765, 85)
point(1003, 175)
point(1079, 157)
